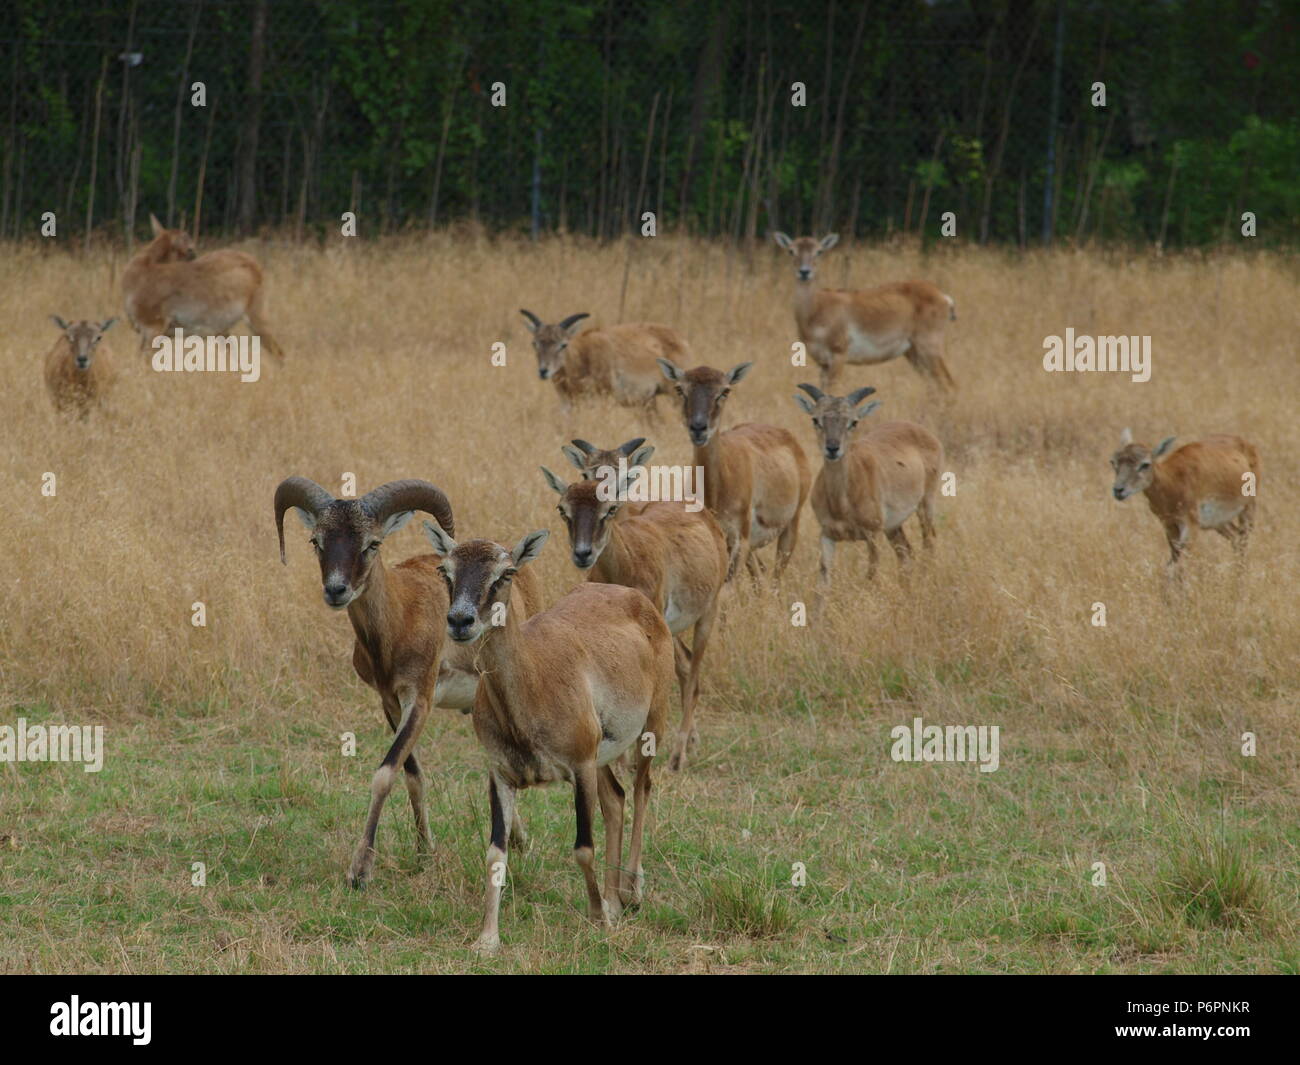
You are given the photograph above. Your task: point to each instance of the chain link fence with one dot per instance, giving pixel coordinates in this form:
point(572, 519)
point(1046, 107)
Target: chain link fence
point(726, 117)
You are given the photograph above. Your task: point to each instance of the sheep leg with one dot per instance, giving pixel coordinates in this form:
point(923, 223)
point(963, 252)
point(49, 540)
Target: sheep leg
point(873, 556)
point(257, 324)
point(501, 799)
point(926, 356)
point(414, 712)
point(1179, 536)
point(699, 643)
point(633, 880)
point(925, 512)
point(611, 796)
point(898, 541)
point(585, 790)
point(824, 572)
point(414, 788)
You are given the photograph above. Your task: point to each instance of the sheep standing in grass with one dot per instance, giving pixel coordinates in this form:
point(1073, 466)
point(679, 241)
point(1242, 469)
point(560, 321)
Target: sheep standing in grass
point(1209, 483)
point(77, 374)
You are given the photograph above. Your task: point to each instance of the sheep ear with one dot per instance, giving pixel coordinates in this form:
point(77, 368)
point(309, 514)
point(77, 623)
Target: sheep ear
point(641, 458)
point(306, 517)
point(573, 455)
point(621, 486)
point(529, 547)
point(1163, 447)
point(782, 241)
point(1126, 437)
point(671, 370)
point(559, 486)
point(105, 326)
point(396, 521)
point(806, 403)
point(862, 412)
point(442, 543)
point(155, 225)
point(738, 372)
point(828, 242)
point(59, 322)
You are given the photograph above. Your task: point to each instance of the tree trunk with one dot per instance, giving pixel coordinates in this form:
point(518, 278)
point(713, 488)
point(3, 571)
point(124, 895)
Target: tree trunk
point(94, 153)
point(252, 121)
point(707, 76)
point(1005, 131)
point(832, 167)
point(176, 121)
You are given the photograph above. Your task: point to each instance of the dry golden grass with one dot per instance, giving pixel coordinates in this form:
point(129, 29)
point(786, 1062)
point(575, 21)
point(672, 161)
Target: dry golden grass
point(165, 500)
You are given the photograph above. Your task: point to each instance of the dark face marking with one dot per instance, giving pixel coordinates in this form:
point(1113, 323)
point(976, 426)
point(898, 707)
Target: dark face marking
point(702, 391)
point(478, 575)
point(550, 342)
point(590, 462)
point(586, 517)
point(346, 540)
point(834, 419)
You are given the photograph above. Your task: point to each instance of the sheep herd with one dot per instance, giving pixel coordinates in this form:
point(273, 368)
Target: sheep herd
point(579, 690)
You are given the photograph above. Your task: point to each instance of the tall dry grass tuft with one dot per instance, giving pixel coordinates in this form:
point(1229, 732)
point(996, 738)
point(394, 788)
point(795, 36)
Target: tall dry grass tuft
point(1209, 878)
point(165, 499)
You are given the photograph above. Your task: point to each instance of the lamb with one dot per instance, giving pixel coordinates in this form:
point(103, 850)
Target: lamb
point(77, 374)
point(1210, 483)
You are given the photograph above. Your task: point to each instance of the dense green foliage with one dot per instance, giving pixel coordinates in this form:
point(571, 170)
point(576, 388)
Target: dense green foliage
point(614, 107)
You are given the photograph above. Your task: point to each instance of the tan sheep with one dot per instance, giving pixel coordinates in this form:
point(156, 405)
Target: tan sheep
point(77, 373)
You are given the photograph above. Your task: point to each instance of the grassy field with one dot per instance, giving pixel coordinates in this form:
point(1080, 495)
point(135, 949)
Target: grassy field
point(1119, 744)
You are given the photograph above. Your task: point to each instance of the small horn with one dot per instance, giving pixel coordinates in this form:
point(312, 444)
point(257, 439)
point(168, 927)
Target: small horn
point(298, 492)
point(584, 447)
point(569, 321)
point(395, 496)
point(631, 445)
point(812, 390)
point(537, 322)
point(859, 395)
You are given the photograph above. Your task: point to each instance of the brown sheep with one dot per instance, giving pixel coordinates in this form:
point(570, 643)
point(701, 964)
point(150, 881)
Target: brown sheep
point(615, 360)
point(166, 286)
point(77, 374)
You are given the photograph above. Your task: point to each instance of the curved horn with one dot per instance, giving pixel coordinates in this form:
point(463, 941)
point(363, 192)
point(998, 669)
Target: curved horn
point(298, 492)
point(812, 390)
point(395, 496)
point(537, 322)
point(631, 445)
point(569, 321)
point(584, 447)
point(858, 395)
